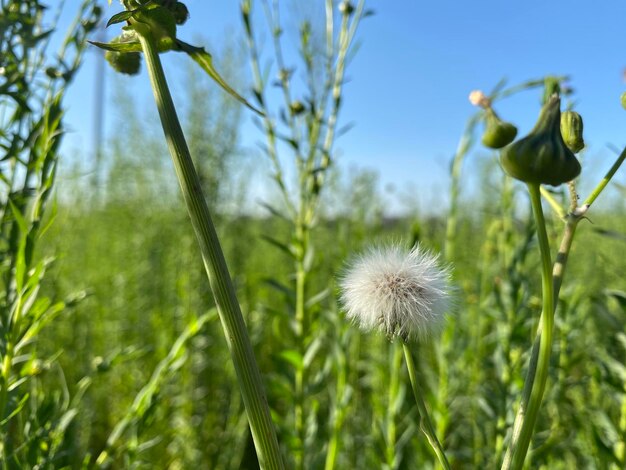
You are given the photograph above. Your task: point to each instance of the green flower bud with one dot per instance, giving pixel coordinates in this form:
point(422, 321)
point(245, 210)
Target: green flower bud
point(297, 108)
point(124, 62)
point(542, 156)
point(572, 130)
point(180, 12)
point(497, 132)
point(346, 8)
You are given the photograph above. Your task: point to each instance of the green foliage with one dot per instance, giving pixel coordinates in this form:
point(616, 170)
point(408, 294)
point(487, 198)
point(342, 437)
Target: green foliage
point(115, 358)
point(33, 419)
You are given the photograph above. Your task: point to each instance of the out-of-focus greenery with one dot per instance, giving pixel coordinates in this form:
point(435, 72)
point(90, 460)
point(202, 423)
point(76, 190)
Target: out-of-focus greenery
point(142, 366)
point(35, 406)
point(134, 253)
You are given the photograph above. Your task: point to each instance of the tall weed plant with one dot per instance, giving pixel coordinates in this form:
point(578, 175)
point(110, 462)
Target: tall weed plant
point(520, 367)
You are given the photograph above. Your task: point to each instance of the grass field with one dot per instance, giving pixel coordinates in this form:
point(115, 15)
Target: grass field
point(113, 354)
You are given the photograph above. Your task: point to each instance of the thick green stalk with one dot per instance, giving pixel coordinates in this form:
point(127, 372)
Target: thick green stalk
point(558, 271)
point(425, 424)
point(536, 379)
point(246, 367)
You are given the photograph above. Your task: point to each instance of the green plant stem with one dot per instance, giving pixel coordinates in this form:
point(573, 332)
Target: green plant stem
point(556, 207)
point(246, 368)
point(600, 187)
point(14, 325)
point(620, 448)
point(533, 394)
point(301, 332)
point(444, 345)
point(339, 412)
point(392, 405)
point(425, 424)
point(558, 271)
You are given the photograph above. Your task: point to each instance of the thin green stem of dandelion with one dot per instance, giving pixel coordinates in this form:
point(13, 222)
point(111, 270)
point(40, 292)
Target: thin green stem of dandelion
point(425, 424)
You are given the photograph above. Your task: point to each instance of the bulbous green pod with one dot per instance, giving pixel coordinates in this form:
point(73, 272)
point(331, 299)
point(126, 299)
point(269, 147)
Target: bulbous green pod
point(572, 130)
point(297, 108)
point(542, 156)
point(180, 12)
point(124, 62)
point(497, 132)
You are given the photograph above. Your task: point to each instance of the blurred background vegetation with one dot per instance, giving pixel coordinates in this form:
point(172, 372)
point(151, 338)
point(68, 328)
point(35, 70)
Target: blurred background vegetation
point(133, 362)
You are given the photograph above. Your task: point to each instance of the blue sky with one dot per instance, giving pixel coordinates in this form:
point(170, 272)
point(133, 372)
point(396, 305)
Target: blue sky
point(417, 63)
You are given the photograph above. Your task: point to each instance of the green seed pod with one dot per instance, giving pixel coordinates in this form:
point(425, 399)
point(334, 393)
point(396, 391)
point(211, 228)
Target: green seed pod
point(572, 130)
point(346, 8)
point(623, 100)
point(297, 108)
point(124, 62)
point(180, 12)
point(542, 156)
point(497, 132)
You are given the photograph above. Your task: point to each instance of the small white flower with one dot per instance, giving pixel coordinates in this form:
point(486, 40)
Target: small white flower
point(402, 293)
point(478, 98)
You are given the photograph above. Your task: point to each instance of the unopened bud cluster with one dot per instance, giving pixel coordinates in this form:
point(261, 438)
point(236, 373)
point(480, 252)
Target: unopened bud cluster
point(161, 16)
point(546, 154)
point(542, 157)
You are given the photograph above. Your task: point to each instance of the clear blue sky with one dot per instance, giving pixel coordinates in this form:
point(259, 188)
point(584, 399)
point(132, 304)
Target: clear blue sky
point(418, 61)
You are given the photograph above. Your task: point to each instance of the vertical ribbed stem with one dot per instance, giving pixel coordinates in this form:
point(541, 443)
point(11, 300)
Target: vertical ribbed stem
point(246, 367)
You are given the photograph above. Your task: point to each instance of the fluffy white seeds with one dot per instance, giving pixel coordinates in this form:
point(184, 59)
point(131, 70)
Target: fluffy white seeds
point(402, 293)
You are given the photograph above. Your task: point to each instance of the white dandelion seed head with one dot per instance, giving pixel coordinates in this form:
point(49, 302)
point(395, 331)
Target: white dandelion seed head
point(401, 292)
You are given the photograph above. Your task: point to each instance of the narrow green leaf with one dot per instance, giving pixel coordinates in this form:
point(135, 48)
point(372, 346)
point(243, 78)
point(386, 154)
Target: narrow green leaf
point(204, 59)
point(274, 211)
point(317, 298)
point(309, 257)
point(609, 233)
point(20, 259)
point(281, 246)
point(290, 293)
point(130, 46)
point(119, 17)
point(293, 357)
point(618, 295)
point(311, 351)
point(17, 409)
point(66, 420)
